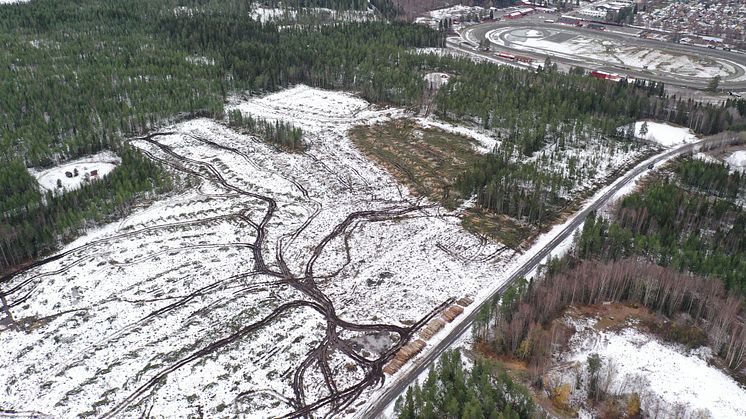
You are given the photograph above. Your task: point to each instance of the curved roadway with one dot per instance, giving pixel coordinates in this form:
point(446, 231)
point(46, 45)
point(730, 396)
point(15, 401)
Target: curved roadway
point(737, 81)
point(401, 381)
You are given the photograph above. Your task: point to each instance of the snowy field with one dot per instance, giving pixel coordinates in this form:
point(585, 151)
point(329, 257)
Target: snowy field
point(737, 160)
point(265, 14)
point(272, 286)
point(668, 377)
point(436, 80)
point(606, 51)
point(102, 164)
point(664, 134)
point(456, 11)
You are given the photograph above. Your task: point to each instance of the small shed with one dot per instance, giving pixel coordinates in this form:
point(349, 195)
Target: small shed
point(94, 172)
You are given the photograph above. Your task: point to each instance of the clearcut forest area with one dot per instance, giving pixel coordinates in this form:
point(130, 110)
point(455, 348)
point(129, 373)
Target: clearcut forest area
point(222, 208)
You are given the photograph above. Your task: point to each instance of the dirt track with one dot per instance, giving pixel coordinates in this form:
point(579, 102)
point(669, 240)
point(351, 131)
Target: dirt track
point(273, 266)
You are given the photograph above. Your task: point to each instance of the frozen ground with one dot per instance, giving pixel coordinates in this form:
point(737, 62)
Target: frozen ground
point(265, 14)
point(103, 163)
point(665, 134)
point(436, 80)
point(737, 160)
point(276, 285)
point(455, 11)
point(668, 377)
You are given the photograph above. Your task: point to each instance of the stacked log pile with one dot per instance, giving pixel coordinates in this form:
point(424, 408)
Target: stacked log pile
point(403, 355)
point(433, 326)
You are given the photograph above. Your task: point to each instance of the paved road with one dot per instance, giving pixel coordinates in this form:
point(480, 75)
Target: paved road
point(376, 407)
point(737, 81)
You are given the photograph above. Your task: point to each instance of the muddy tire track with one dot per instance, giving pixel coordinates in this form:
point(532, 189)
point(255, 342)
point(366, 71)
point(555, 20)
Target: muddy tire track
point(305, 283)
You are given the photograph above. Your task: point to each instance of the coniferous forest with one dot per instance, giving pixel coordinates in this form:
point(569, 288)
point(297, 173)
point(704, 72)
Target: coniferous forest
point(450, 391)
point(691, 221)
point(85, 76)
point(279, 133)
point(677, 246)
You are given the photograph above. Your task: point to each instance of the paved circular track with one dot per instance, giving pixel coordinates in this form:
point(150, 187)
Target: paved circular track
point(735, 81)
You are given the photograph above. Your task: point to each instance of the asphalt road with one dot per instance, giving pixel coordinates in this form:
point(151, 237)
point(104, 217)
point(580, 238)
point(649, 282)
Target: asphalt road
point(401, 382)
point(734, 82)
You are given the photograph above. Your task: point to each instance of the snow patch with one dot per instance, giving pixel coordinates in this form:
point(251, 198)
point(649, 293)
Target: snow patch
point(437, 80)
point(101, 164)
point(201, 60)
point(706, 158)
point(665, 375)
point(607, 51)
point(455, 11)
point(487, 141)
point(737, 160)
point(265, 14)
point(665, 134)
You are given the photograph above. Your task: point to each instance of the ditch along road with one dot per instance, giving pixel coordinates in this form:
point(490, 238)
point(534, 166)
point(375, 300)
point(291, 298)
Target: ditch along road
point(378, 405)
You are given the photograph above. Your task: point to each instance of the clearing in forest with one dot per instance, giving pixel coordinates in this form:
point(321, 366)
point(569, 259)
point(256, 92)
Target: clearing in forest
point(426, 159)
point(279, 284)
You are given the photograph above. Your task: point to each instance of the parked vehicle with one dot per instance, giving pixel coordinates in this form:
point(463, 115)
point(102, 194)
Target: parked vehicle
point(506, 56)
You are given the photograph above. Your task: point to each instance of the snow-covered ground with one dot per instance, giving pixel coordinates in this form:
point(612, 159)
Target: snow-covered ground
point(511, 266)
point(441, 52)
point(665, 134)
point(667, 376)
point(265, 14)
point(737, 160)
point(436, 80)
point(202, 60)
point(149, 314)
point(705, 157)
point(486, 139)
point(456, 11)
point(587, 160)
point(102, 163)
point(13, 1)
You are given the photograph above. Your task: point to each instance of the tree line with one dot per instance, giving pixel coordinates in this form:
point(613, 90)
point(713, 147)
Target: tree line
point(83, 77)
point(547, 107)
point(520, 190)
point(684, 222)
point(520, 325)
point(677, 247)
point(46, 220)
point(279, 133)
